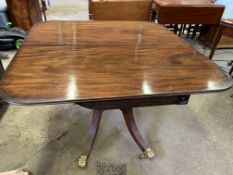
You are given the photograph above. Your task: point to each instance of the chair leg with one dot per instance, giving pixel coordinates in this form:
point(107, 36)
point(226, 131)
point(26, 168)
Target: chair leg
point(153, 16)
point(181, 29)
point(184, 28)
point(216, 41)
point(175, 28)
point(93, 129)
point(131, 125)
point(231, 70)
point(195, 30)
point(189, 30)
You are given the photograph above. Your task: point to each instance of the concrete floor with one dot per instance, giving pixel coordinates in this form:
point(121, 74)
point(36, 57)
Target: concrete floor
point(195, 139)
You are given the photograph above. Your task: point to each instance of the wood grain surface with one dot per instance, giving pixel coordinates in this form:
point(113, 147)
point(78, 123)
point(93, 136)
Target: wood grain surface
point(94, 61)
point(120, 10)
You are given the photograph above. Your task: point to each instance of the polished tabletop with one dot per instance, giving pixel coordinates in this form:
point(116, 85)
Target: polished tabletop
point(93, 61)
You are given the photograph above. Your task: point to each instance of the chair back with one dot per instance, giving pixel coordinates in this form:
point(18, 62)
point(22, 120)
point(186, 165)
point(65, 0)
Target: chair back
point(204, 14)
point(120, 10)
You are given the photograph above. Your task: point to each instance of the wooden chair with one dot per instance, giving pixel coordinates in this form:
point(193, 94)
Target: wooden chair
point(225, 28)
point(120, 10)
point(204, 14)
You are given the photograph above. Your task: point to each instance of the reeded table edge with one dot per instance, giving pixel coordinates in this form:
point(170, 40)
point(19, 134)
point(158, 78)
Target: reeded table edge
point(17, 101)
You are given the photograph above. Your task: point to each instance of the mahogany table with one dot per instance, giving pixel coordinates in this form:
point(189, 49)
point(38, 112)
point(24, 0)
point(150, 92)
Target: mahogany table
point(188, 11)
point(108, 65)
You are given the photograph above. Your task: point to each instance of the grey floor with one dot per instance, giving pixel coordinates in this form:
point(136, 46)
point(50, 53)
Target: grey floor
point(195, 139)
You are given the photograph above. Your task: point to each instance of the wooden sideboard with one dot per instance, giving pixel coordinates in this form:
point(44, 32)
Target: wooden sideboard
point(209, 35)
point(188, 12)
point(24, 13)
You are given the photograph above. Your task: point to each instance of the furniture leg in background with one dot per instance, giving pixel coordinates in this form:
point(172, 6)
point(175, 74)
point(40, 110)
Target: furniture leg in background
point(44, 8)
point(225, 28)
point(231, 70)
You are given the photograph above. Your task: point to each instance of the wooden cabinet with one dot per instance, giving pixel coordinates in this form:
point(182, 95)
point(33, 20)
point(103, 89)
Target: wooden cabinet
point(24, 13)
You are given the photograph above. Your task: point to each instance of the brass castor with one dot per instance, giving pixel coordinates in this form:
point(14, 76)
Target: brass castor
point(82, 161)
point(147, 154)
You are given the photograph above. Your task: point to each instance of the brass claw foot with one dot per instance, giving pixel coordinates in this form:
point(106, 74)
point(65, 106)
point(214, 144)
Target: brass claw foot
point(82, 161)
point(148, 153)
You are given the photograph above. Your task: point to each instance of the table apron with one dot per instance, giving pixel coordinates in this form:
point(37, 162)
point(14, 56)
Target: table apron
point(135, 102)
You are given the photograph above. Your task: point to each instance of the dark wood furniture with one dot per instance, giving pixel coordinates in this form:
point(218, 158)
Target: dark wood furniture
point(194, 13)
point(24, 13)
point(210, 33)
point(225, 28)
point(120, 10)
point(188, 12)
point(108, 65)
